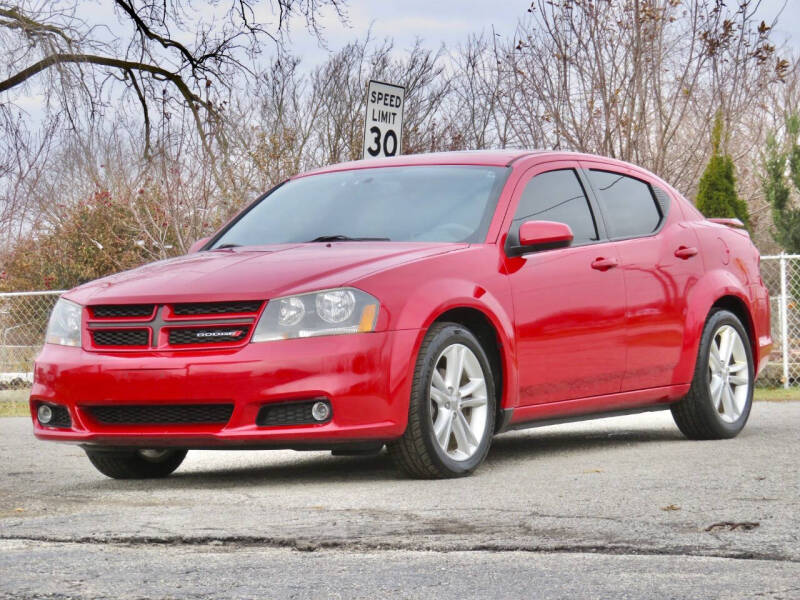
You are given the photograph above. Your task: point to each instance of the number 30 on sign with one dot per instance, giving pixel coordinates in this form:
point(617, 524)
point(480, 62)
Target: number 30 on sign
point(383, 125)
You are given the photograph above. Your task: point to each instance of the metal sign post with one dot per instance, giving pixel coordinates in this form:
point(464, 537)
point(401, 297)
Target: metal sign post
point(784, 308)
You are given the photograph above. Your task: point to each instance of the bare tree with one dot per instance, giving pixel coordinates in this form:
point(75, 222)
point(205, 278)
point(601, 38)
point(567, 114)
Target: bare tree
point(23, 158)
point(173, 154)
point(137, 87)
point(638, 79)
point(303, 121)
point(480, 109)
point(145, 53)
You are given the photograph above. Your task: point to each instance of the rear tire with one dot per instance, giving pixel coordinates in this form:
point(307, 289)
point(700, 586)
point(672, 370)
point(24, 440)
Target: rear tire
point(719, 401)
point(136, 464)
point(452, 407)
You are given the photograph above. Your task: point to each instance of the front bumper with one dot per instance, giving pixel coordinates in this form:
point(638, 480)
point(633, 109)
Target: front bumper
point(366, 377)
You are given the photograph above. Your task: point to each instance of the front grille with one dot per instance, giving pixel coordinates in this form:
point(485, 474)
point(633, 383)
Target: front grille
point(60, 418)
point(216, 308)
point(111, 311)
point(286, 413)
point(207, 335)
point(180, 326)
point(120, 337)
point(160, 414)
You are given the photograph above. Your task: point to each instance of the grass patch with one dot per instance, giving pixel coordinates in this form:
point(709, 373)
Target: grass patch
point(14, 403)
point(14, 408)
point(776, 394)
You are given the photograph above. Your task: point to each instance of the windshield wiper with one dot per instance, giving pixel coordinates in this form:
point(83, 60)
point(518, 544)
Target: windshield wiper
point(223, 246)
point(347, 238)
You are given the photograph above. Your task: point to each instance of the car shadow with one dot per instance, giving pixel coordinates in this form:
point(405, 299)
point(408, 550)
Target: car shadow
point(543, 443)
point(304, 468)
point(315, 467)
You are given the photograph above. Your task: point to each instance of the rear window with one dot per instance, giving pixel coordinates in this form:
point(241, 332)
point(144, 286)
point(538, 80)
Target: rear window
point(627, 203)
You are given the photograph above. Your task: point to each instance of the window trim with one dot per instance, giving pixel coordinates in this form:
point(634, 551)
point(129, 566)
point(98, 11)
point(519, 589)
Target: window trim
point(519, 190)
point(607, 168)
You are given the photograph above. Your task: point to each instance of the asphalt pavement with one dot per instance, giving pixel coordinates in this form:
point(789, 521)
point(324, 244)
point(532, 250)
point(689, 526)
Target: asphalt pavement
point(622, 508)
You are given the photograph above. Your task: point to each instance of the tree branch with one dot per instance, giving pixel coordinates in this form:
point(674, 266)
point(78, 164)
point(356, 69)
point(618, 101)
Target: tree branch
point(166, 43)
point(192, 100)
point(107, 61)
point(145, 113)
point(20, 21)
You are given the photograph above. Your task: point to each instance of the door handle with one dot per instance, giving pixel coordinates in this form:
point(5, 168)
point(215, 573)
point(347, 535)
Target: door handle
point(604, 264)
point(684, 252)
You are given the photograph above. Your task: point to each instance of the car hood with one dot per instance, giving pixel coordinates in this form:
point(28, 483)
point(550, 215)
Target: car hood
point(253, 273)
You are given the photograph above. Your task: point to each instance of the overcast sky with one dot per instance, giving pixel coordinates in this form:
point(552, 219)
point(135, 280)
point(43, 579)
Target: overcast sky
point(436, 22)
point(448, 22)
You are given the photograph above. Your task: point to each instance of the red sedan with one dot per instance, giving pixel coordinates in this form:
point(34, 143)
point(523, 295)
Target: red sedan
point(425, 303)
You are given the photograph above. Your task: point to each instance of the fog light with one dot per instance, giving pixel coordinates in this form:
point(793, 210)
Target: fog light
point(44, 414)
point(321, 411)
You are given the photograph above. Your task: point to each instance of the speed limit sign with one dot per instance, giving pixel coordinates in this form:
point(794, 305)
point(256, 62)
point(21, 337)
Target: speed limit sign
point(383, 125)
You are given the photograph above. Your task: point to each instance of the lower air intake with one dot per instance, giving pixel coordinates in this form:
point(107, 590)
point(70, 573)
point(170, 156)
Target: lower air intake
point(289, 413)
point(60, 417)
point(162, 414)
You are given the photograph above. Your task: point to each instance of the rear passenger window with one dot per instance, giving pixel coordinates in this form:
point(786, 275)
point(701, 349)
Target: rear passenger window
point(627, 203)
point(556, 196)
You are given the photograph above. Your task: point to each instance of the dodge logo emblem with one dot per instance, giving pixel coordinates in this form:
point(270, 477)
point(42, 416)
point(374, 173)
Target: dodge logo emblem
point(234, 333)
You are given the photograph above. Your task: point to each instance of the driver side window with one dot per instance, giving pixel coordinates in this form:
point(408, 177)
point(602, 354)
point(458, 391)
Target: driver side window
point(557, 196)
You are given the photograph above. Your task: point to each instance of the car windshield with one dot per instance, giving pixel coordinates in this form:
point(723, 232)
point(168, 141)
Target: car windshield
point(401, 204)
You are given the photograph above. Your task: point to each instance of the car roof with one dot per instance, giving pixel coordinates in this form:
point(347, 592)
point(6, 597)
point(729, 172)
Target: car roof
point(504, 158)
point(493, 158)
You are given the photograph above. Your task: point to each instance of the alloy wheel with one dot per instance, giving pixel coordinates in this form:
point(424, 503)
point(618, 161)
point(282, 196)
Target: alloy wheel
point(458, 402)
point(729, 374)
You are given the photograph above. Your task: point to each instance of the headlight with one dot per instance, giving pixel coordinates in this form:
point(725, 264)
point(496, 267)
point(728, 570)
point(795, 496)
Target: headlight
point(336, 306)
point(64, 327)
point(329, 312)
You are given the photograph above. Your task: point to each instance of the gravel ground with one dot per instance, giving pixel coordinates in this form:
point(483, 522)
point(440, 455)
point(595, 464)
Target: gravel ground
point(622, 507)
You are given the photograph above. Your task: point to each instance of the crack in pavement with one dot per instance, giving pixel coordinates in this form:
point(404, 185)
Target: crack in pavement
point(310, 545)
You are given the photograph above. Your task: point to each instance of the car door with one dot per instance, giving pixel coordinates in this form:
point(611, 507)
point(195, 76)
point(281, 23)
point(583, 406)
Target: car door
point(660, 263)
point(569, 303)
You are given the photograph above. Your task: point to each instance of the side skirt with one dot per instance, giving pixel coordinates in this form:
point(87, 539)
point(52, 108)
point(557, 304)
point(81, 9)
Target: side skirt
point(595, 407)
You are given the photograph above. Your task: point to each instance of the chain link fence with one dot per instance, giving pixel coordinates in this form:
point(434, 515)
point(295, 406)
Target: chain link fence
point(24, 315)
point(23, 320)
point(781, 274)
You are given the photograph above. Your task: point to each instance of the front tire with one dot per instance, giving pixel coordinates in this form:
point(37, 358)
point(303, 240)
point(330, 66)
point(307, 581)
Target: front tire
point(452, 407)
point(136, 464)
point(719, 401)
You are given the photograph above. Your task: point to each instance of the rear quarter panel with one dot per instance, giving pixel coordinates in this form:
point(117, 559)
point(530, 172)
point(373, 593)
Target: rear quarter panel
point(731, 269)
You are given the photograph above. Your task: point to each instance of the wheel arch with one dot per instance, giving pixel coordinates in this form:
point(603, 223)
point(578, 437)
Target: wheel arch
point(738, 307)
point(718, 289)
point(481, 325)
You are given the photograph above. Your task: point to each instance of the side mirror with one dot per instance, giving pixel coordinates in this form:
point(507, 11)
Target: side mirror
point(198, 244)
point(542, 235)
